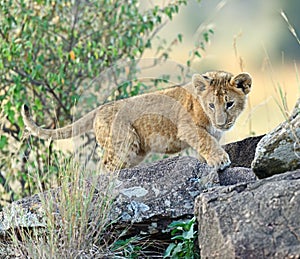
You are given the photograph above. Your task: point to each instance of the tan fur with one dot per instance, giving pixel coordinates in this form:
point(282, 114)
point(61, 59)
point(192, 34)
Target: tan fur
point(166, 121)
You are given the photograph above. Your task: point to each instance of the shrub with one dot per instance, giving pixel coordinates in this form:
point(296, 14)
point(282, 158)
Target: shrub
point(51, 51)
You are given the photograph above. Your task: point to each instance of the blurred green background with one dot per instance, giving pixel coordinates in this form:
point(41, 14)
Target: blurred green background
point(264, 43)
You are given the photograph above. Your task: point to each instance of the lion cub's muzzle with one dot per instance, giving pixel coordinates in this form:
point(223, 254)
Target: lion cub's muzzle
point(221, 121)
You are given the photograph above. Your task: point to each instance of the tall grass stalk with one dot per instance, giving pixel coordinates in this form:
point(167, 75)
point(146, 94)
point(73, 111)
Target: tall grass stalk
point(290, 26)
point(282, 100)
point(241, 64)
point(283, 97)
point(76, 213)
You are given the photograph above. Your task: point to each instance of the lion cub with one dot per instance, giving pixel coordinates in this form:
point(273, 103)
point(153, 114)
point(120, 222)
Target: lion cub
point(167, 121)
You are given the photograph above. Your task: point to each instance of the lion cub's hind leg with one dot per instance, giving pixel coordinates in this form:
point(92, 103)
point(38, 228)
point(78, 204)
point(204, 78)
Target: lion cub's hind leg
point(122, 149)
point(123, 152)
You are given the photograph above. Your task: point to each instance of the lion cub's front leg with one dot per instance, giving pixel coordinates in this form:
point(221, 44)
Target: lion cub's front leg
point(208, 148)
point(218, 158)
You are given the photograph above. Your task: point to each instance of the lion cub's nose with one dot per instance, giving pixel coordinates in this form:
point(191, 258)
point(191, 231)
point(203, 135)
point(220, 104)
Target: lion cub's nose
point(221, 119)
point(221, 126)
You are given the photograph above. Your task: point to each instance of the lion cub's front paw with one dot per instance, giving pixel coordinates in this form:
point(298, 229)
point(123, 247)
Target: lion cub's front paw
point(219, 160)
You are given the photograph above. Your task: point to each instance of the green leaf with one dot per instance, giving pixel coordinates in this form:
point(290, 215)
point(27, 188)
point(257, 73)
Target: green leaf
point(38, 104)
point(174, 224)
point(169, 250)
point(11, 116)
point(179, 36)
point(178, 251)
point(190, 234)
point(197, 54)
point(3, 141)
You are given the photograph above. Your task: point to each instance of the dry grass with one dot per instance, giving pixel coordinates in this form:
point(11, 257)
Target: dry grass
point(77, 216)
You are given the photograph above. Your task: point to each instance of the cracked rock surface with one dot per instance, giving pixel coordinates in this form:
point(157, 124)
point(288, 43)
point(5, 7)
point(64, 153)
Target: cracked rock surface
point(159, 190)
point(251, 220)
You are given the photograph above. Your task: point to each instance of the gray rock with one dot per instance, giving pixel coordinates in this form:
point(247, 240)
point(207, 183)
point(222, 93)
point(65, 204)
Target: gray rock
point(242, 152)
point(147, 198)
point(251, 220)
point(164, 189)
point(231, 176)
point(279, 151)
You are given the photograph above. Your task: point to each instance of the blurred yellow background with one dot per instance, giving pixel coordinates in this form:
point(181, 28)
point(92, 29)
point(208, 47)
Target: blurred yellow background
point(269, 52)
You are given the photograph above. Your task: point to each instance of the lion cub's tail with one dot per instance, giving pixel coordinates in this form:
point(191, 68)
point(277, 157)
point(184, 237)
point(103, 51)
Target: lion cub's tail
point(77, 128)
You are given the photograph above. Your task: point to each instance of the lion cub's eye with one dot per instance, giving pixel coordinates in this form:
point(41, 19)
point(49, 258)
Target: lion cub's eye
point(229, 105)
point(211, 105)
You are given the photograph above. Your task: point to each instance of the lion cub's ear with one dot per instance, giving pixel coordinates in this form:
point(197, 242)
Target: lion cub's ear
point(242, 81)
point(200, 82)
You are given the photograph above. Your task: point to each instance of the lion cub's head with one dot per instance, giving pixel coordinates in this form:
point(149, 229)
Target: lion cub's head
point(222, 96)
